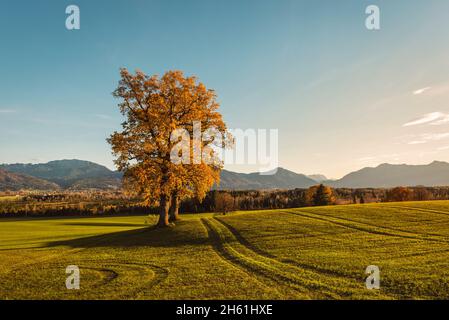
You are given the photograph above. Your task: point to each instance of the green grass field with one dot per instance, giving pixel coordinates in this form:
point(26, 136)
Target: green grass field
point(307, 253)
point(9, 198)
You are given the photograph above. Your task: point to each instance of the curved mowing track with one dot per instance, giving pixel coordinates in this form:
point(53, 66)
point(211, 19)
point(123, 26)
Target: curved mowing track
point(369, 228)
point(305, 283)
point(108, 270)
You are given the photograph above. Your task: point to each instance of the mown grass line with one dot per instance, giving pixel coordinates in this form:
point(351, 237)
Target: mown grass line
point(303, 280)
point(293, 263)
point(54, 256)
point(108, 274)
point(228, 258)
point(235, 258)
point(243, 241)
point(368, 228)
point(158, 274)
point(43, 258)
point(444, 213)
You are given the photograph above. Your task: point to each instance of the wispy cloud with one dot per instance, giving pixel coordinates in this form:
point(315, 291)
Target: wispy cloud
point(382, 157)
point(435, 136)
point(7, 111)
point(442, 120)
point(103, 116)
point(72, 123)
point(433, 118)
point(434, 90)
point(427, 137)
point(363, 159)
point(421, 91)
point(417, 142)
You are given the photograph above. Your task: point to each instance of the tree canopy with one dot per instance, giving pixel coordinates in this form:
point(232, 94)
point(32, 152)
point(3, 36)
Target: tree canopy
point(168, 118)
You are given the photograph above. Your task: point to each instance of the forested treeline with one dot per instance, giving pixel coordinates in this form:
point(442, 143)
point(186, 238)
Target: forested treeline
point(281, 199)
point(104, 203)
point(36, 204)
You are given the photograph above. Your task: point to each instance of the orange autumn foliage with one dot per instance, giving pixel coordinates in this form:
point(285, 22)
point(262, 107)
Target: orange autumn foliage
point(154, 107)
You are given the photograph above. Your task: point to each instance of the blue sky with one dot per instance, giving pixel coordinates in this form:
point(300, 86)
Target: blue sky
point(341, 96)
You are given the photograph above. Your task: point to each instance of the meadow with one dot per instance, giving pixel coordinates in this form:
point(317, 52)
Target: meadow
point(304, 253)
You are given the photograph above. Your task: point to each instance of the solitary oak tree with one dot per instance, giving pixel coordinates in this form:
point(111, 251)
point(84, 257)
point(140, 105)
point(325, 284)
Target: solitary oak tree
point(198, 181)
point(155, 107)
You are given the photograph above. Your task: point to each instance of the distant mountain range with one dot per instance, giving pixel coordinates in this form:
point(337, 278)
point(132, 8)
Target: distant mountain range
point(282, 179)
point(77, 175)
point(16, 181)
point(392, 175)
point(66, 174)
point(317, 177)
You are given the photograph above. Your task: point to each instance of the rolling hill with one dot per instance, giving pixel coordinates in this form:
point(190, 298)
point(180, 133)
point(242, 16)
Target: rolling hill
point(300, 253)
point(69, 173)
point(317, 177)
point(78, 174)
point(282, 179)
point(16, 181)
point(392, 175)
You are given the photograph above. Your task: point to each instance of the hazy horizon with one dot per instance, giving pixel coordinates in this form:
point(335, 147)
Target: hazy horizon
point(299, 172)
point(341, 96)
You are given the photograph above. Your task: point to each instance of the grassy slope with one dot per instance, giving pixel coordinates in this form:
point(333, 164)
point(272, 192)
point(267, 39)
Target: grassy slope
point(317, 253)
point(9, 198)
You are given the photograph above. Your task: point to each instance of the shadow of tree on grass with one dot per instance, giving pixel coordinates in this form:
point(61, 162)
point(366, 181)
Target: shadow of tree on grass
point(183, 234)
point(104, 224)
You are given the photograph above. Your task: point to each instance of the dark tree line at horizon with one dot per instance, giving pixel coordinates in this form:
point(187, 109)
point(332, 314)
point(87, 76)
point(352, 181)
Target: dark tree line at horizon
point(282, 199)
point(215, 201)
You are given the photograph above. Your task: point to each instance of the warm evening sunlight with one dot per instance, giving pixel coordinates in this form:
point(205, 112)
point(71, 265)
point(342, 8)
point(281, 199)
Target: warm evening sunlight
point(230, 158)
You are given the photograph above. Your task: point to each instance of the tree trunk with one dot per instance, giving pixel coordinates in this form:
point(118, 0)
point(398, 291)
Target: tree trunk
point(174, 209)
point(163, 211)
